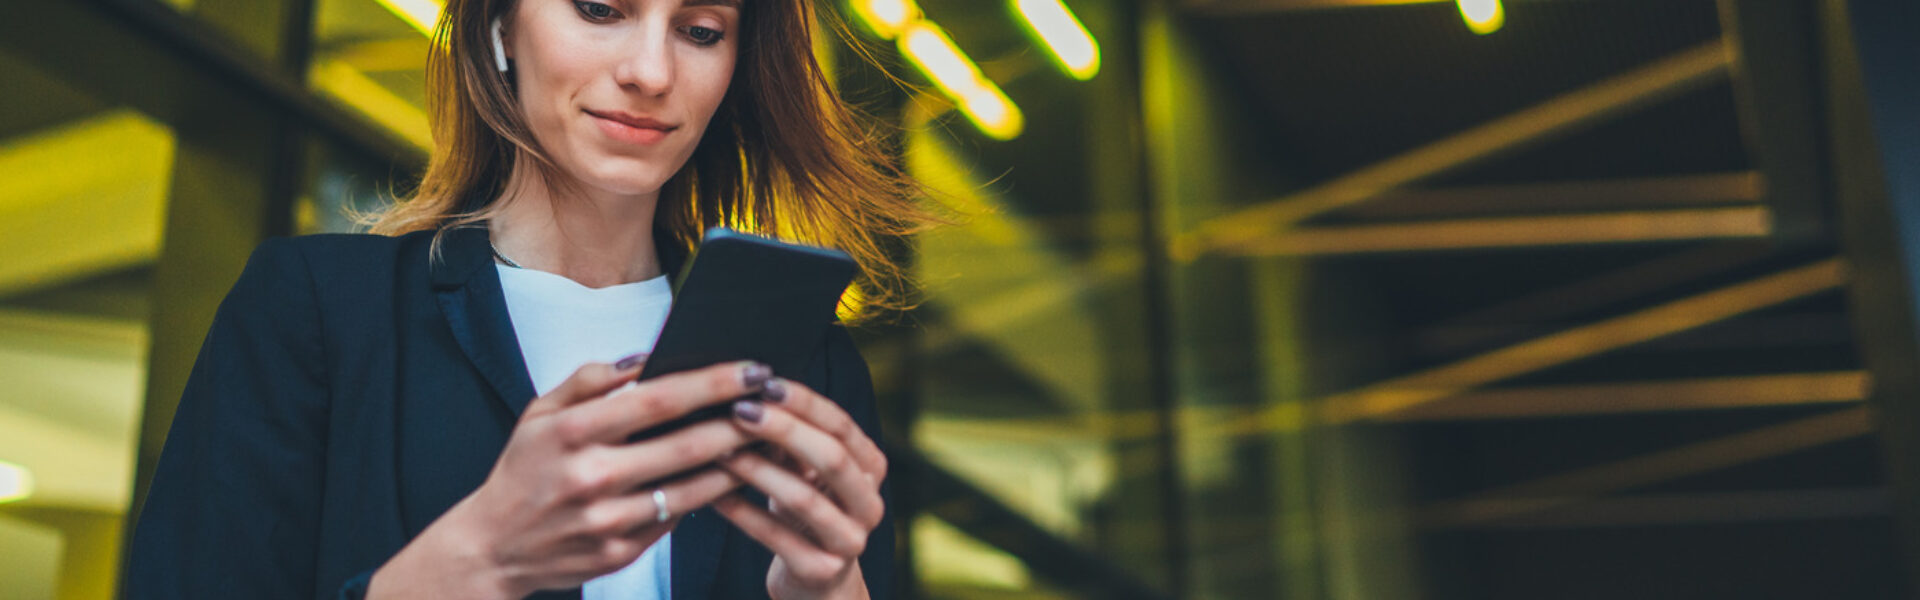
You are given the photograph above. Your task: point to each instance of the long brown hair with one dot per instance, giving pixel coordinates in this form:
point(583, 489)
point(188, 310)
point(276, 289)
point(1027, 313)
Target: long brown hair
point(783, 155)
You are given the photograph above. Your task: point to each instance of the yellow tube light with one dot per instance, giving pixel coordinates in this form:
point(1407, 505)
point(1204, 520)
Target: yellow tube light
point(886, 17)
point(949, 69)
point(993, 113)
point(421, 14)
point(15, 482)
point(1483, 16)
point(1056, 26)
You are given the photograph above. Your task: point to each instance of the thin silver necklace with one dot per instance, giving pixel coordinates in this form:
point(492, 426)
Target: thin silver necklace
point(503, 258)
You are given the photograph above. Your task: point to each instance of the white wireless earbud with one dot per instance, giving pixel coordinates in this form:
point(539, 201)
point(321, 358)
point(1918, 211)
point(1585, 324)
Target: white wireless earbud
point(499, 49)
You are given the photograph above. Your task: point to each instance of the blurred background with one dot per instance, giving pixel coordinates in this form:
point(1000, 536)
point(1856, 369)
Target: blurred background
point(1302, 299)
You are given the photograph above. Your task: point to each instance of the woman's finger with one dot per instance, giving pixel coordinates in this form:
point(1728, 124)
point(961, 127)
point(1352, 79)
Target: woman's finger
point(655, 458)
point(833, 529)
point(829, 417)
point(591, 380)
point(825, 454)
point(611, 419)
point(636, 516)
point(808, 561)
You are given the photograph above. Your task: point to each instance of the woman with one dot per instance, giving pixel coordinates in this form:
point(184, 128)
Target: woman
point(442, 411)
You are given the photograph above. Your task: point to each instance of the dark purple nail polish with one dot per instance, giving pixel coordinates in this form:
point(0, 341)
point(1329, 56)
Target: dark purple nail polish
point(776, 391)
point(755, 375)
point(630, 361)
point(749, 411)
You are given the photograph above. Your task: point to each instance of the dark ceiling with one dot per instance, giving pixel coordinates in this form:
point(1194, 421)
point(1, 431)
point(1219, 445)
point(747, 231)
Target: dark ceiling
point(1337, 89)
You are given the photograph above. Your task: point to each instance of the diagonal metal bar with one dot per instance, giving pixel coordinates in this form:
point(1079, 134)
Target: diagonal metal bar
point(1734, 222)
point(1683, 72)
point(1642, 193)
point(1786, 389)
point(1696, 509)
point(1451, 337)
point(1439, 383)
point(1699, 457)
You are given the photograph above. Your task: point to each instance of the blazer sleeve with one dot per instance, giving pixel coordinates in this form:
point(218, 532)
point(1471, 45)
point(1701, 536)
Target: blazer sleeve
point(850, 384)
point(234, 508)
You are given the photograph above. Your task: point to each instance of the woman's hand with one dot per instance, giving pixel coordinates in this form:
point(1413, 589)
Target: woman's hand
point(822, 479)
point(570, 499)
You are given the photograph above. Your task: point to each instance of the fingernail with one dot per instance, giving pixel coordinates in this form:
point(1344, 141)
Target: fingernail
point(749, 411)
point(776, 391)
point(755, 374)
point(631, 361)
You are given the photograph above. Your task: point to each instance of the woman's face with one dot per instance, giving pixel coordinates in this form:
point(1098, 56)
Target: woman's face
point(619, 92)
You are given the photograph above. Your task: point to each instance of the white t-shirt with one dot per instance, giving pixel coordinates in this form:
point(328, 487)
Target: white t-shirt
point(562, 325)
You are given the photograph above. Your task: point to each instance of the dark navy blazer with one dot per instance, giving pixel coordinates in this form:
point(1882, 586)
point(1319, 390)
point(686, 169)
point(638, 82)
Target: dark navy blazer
point(349, 392)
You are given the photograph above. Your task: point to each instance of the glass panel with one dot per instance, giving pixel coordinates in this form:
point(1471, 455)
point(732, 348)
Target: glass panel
point(81, 225)
point(369, 58)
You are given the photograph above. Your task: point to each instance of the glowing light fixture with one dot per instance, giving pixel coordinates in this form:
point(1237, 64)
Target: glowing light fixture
point(977, 97)
point(15, 482)
point(1072, 46)
point(993, 113)
point(886, 17)
point(1483, 16)
point(421, 14)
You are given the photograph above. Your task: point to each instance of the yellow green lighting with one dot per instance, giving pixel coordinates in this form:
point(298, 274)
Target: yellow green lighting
point(886, 17)
point(15, 482)
point(421, 14)
point(938, 57)
point(993, 113)
point(1056, 26)
point(949, 69)
point(1483, 16)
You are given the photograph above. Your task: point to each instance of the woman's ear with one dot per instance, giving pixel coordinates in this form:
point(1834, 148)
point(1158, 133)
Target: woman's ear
point(499, 48)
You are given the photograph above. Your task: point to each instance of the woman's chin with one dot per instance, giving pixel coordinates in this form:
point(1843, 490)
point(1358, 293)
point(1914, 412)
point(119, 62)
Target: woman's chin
point(627, 183)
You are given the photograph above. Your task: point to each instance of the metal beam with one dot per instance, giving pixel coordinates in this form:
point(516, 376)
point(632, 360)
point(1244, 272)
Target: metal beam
point(1713, 393)
point(1683, 72)
point(1633, 397)
point(1439, 383)
point(1700, 457)
point(1778, 104)
point(1683, 191)
point(1735, 222)
point(1697, 509)
point(1474, 329)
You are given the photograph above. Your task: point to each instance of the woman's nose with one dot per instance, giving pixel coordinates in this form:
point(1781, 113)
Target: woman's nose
point(648, 66)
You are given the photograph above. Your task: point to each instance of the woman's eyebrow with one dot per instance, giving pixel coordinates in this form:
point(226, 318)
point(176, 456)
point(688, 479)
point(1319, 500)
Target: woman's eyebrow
point(727, 3)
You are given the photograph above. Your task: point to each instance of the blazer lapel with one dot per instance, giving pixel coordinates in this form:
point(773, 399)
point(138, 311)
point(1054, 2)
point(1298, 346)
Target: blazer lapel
point(468, 289)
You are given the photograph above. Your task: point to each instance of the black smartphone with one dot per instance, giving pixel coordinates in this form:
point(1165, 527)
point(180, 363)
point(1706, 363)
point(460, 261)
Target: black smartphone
point(747, 297)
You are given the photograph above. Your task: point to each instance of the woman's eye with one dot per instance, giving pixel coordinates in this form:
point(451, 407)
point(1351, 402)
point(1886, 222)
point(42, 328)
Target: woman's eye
point(703, 36)
point(594, 11)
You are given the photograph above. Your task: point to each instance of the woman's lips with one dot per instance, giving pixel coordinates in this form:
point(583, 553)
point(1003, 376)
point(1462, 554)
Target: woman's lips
point(631, 129)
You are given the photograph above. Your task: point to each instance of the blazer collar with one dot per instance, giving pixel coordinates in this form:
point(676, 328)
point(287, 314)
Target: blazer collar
point(468, 288)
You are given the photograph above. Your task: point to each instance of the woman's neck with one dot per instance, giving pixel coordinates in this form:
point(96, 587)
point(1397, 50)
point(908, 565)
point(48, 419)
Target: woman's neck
point(593, 238)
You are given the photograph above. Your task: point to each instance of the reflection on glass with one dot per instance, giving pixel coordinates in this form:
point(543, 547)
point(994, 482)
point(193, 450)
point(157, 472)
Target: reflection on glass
point(81, 225)
point(371, 60)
